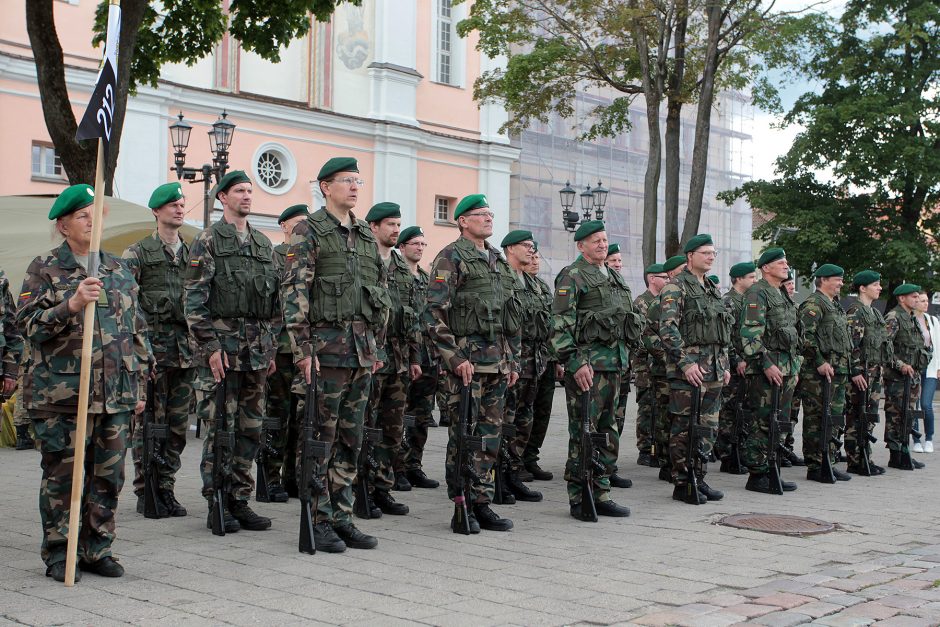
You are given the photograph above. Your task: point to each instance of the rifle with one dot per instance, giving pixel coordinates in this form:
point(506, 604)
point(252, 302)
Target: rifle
point(825, 438)
point(154, 439)
point(221, 445)
point(908, 417)
point(365, 465)
point(863, 417)
point(502, 462)
point(693, 451)
point(313, 456)
point(268, 424)
point(464, 471)
point(589, 464)
point(776, 426)
point(739, 429)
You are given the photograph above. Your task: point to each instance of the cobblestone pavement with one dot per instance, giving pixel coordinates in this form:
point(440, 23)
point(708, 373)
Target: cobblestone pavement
point(668, 564)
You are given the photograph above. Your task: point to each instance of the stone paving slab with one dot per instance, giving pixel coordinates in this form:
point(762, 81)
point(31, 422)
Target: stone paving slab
point(668, 564)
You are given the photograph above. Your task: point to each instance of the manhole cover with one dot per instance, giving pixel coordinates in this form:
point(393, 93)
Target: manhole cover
point(778, 523)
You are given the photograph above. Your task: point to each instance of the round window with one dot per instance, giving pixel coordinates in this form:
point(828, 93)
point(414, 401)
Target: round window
point(275, 170)
point(270, 169)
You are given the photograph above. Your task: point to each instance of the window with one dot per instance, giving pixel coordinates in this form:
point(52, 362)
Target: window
point(445, 26)
point(46, 163)
point(442, 209)
point(274, 168)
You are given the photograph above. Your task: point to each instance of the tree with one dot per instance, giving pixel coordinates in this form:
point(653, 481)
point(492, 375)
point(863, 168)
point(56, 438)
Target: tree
point(875, 125)
point(185, 31)
point(672, 51)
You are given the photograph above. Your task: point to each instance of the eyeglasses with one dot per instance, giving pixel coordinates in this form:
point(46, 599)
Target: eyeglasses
point(527, 245)
point(417, 244)
point(485, 214)
point(665, 277)
point(349, 180)
point(707, 253)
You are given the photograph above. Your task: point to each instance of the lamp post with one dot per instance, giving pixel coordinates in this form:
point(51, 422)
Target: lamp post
point(592, 200)
point(220, 138)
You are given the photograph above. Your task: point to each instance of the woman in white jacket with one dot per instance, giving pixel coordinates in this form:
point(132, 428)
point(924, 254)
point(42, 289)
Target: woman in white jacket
point(930, 327)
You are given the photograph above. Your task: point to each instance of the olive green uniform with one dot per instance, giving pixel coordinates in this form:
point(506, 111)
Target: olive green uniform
point(871, 349)
point(910, 349)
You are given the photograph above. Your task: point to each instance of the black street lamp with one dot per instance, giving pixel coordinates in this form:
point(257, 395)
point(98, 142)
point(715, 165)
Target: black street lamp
point(592, 200)
point(220, 138)
point(600, 200)
point(569, 217)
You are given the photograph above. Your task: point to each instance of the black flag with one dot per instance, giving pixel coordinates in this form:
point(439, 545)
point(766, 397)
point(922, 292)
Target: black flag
point(99, 116)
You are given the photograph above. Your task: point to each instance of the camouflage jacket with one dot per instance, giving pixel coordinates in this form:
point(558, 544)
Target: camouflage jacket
point(694, 327)
point(870, 341)
point(158, 272)
point(472, 308)
point(536, 326)
point(247, 341)
point(315, 279)
point(427, 354)
point(547, 296)
point(588, 316)
point(908, 344)
point(120, 348)
point(651, 340)
point(401, 336)
point(770, 330)
point(11, 342)
point(734, 303)
point(277, 324)
point(640, 360)
point(825, 334)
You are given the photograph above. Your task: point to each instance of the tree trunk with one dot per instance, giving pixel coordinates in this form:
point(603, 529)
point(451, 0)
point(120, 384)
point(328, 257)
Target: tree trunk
point(703, 123)
point(674, 132)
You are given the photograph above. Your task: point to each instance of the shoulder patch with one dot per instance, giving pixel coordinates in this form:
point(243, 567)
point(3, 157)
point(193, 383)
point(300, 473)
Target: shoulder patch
point(25, 295)
point(194, 263)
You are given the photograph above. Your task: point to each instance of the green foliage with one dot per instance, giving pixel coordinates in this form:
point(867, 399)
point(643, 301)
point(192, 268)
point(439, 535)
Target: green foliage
point(185, 31)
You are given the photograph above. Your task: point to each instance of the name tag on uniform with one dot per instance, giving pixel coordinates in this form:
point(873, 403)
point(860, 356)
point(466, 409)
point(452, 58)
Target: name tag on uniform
point(102, 298)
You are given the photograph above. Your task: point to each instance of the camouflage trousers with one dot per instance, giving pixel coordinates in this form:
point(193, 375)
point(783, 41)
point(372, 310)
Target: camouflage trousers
point(173, 406)
point(795, 407)
point(420, 405)
point(541, 413)
point(756, 448)
point(605, 392)
point(244, 412)
point(729, 403)
point(894, 411)
point(342, 400)
point(680, 408)
point(105, 446)
point(854, 399)
point(20, 415)
point(811, 394)
point(521, 399)
point(645, 418)
point(386, 411)
point(488, 391)
point(282, 404)
point(662, 426)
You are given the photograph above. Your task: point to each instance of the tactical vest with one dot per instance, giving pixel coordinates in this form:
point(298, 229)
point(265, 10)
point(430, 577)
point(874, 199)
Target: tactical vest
point(602, 307)
point(245, 281)
point(909, 344)
point(875, 348)
point(781, 332)
point(347, 285)
point(161, 284)
point(704, 317)
point(402, 292)
point(486, 303)
point(833, 329)
point(536, 309)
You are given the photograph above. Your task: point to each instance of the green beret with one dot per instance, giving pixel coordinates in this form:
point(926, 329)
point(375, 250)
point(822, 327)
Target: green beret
point(702, 239)
point(770, 255)
point(515, 237)
point(71, 200)
point(673, 262)
point(535, 246)
point(382, 210)
point(473, 201)
point(739, 270)
point(654, 268)
point(292, 211)
point(866, 277)
point(613, 249)
point(906, 288)
point(409, 234)
point(588, 228)
point(337, 164)
point(827, 270)
point(232, 178)
point(789, 276)
point(714, 279)
point(168, 192)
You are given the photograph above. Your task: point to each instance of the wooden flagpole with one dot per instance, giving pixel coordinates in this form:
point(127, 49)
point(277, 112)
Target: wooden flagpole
point(84, 381)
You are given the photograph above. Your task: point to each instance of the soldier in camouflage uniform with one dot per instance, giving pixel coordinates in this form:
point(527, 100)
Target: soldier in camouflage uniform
point(545, 388)
point(11, 351)
point(614, 262)
point(229, 300)
point(696, 332)
point(790, 458)
point(827, 353)
point(475, 319)
point(335, 308)
point(662, 426)
point(55, 292)
point(411, 245)
point(280, 462)
point(518, 247)
point(770, 346)
point(743, 276)
point(911, 356)
point(655, 278)
point(400, 358)
point(158, 262)
point(871, 348)
point(594, 323)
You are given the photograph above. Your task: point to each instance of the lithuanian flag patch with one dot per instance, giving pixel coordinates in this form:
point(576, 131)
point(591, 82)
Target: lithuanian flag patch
point(25, 295)
point(194, 263)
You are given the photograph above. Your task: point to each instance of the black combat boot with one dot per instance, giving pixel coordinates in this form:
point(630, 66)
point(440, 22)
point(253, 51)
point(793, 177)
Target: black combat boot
point(644, 459)
point(520, 490)
point(277, 493)
point(57, 572)
point(758, 483)
point(173, 507)
point(326, 540)
point(106, 567)
point(710, 493)
point(387, 503)
point(230, 524)
point(24, 441)
point(876, 470)
point(401, 482)
point(685, 494)
point(246, 517)
point(609, 508)
point(616, 481)
point(418, 479)
point(841, 476)
point(474, 525)
point(489, 520)
point(354, 538)
point(794, 459)
point(916, 464)
point(665, 474)
point(372, 508)
point(894, 459)
point(537, 473)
